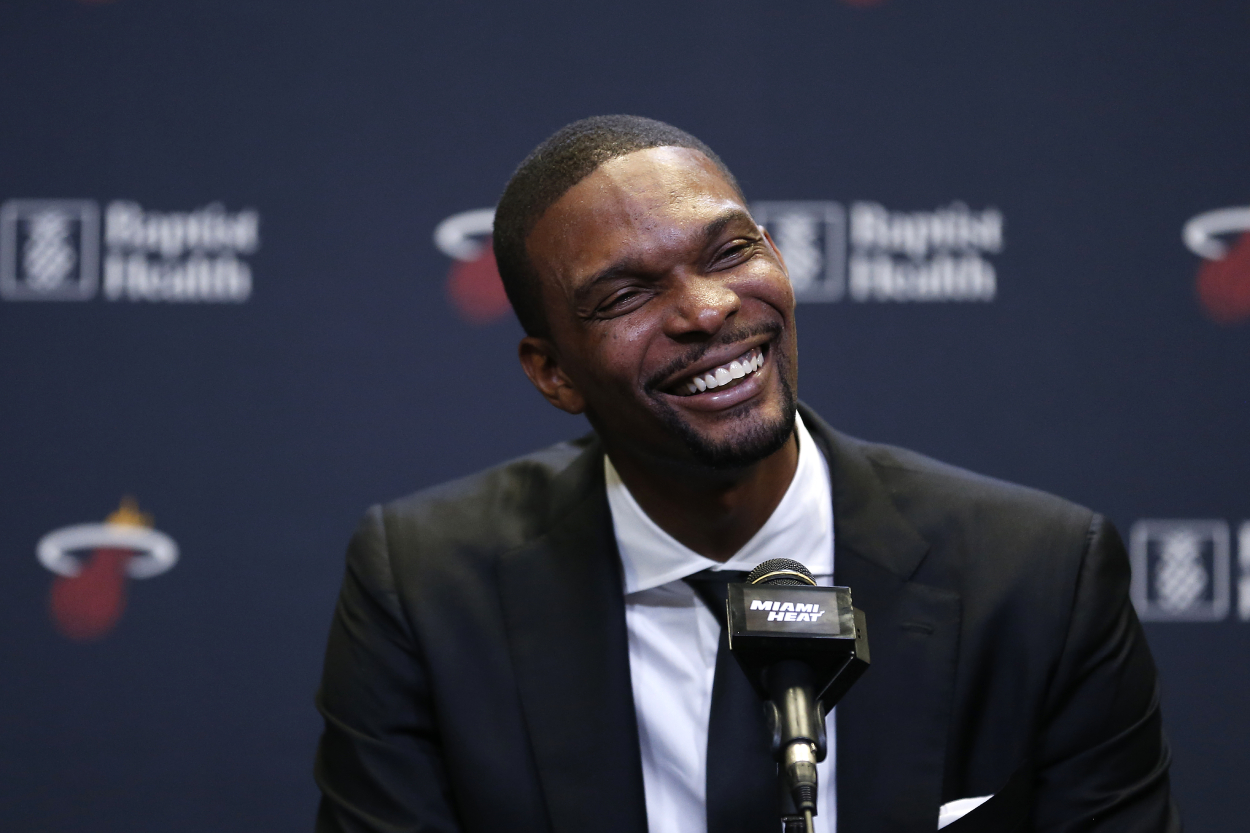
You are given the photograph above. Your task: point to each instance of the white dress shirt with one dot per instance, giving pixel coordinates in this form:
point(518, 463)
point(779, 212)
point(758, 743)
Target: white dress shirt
point(673, 636)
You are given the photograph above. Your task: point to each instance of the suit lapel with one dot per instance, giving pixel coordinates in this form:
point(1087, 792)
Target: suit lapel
point(564, 609)
point(892, 726)
point(563, 605)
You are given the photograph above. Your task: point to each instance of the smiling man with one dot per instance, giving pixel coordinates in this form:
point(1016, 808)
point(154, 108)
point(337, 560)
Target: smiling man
point(540, 646)
point(664, 313)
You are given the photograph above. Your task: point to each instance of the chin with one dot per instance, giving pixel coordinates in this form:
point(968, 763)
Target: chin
point(751, 435)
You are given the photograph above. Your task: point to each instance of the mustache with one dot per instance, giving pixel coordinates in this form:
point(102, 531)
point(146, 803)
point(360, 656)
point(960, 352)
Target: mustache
point(698, 351)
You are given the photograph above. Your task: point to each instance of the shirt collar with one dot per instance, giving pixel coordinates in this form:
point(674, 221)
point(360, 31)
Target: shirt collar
point(801, 523)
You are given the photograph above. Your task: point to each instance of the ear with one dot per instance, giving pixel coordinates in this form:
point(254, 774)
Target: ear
point(541, 363)
point(776, 251)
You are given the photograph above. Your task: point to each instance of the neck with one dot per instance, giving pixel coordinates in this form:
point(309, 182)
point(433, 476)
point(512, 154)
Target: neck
point(712, 512)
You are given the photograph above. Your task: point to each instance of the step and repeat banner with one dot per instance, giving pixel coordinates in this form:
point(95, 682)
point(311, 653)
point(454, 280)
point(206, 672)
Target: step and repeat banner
point(246, 291)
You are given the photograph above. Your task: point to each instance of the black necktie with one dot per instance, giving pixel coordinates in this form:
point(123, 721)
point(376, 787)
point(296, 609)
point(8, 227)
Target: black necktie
point(741, 774)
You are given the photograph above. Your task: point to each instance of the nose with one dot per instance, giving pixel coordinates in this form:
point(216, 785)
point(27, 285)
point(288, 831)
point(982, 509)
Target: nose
point(701, 305)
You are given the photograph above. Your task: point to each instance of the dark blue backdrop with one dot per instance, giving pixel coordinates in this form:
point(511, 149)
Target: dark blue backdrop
point(256, 394)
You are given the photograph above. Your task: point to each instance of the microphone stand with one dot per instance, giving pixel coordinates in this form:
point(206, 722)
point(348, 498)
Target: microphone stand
point(792, 821)
point(801, 671)
point(797, 722)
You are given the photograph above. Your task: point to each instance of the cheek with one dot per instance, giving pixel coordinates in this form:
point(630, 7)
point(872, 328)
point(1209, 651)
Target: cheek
point(767, 282)
point(631, 334)
point(627, 343)
point(612, 359)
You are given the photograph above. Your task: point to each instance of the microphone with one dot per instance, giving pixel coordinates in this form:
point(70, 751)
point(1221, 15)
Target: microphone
point(802, 647)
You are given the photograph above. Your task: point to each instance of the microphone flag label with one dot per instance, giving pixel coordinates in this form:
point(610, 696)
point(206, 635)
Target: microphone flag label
point(814, 625)
point(795, 611)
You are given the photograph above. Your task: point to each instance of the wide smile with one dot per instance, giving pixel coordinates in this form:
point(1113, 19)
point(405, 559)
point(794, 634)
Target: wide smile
point(719, 387)
point(725, 376)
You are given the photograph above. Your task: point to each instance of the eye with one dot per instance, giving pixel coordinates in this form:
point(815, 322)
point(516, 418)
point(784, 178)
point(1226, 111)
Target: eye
point(734, 253)
point(624, 300)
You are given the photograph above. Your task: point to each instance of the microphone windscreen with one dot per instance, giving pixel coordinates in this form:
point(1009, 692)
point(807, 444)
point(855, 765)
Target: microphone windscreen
point(781, 571)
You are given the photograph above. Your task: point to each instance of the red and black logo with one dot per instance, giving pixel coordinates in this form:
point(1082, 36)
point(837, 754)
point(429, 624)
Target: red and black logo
point(1222, 239)
point(93, 563)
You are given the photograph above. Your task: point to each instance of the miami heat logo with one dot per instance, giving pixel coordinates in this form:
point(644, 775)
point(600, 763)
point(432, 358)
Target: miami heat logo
point(93, 562)
point(1222, 239)
point(473, 286)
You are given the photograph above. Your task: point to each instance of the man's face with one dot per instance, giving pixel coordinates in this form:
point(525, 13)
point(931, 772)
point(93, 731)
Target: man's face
point(670, 312)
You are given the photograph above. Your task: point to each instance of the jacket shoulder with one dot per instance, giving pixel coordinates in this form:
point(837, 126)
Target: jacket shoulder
point(902, 469)
point(500, 508)
point(946, 502)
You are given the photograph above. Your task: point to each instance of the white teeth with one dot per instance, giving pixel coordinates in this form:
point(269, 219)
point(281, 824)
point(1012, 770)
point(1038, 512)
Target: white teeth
point(723, 375)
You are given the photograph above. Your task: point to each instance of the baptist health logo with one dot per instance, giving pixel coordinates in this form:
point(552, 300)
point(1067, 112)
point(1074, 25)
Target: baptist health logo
point(921, 256)
point(1182, 570)
point(50, 250)
point(879, 255)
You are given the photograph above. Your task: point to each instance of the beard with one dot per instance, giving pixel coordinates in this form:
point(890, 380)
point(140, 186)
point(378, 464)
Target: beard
point(754, 441)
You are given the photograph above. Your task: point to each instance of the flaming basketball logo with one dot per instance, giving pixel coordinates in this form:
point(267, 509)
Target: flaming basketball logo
point(89, 592)
point(1224, 277)
point(473, 286)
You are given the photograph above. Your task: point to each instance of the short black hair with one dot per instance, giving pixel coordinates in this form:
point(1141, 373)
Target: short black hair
point(567, 157)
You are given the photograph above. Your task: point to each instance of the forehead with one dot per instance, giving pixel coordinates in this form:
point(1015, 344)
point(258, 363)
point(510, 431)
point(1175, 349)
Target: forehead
point(640, 206)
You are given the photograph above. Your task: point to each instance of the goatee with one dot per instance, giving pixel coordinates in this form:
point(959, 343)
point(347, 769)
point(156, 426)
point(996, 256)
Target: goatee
point(757, 440)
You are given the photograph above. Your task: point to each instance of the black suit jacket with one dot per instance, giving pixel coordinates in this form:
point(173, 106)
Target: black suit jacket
point(477, 673)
